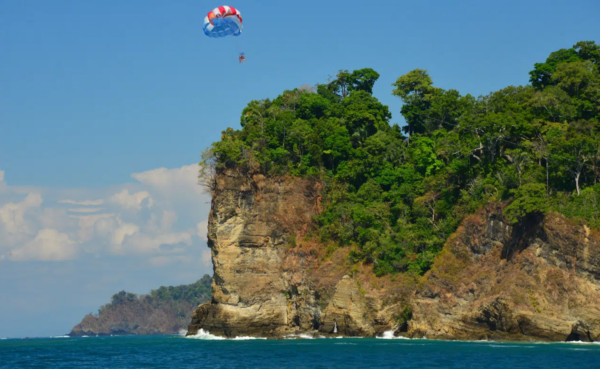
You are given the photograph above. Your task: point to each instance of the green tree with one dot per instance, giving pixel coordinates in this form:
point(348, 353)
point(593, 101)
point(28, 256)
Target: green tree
point(541, 75)
point(415, 89)
point(363, 80)
point(528, 199)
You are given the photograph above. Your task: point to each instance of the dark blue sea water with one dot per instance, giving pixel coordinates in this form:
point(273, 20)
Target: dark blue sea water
point(180, 353)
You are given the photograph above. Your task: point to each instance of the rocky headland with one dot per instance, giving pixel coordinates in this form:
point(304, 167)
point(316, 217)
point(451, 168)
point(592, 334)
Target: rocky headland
point(537, 280)
point(478, 218)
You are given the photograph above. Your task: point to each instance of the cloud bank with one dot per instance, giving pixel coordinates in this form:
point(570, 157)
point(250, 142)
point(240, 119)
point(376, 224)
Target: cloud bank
point(160, 217)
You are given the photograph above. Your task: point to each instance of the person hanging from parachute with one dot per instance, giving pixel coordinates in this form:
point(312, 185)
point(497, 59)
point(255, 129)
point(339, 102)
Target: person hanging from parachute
point(224, 21)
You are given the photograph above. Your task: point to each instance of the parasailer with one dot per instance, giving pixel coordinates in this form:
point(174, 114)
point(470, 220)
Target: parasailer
point(222, 22)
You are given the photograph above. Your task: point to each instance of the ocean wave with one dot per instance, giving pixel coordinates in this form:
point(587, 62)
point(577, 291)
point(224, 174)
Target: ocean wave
point(580, 343)
point(205, 335)
point(60, 337)
point(244, 338)
point(301, 336)
point(182, 332)
point(389, 335)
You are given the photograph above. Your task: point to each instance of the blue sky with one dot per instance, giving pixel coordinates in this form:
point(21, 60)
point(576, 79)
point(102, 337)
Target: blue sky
point(98, 96)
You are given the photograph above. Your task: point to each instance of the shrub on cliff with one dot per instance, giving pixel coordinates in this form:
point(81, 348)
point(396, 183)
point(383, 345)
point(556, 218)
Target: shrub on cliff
point(529, 199)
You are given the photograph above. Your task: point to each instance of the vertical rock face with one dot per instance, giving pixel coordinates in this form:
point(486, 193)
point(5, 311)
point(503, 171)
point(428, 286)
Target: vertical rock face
point(252, 223)
point(347, 312)
point(269, 281)
point(536, 280)
point(539, 280)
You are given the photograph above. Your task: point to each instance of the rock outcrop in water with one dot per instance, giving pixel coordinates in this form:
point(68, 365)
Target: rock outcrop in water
point(164, 311)
point(539, 280)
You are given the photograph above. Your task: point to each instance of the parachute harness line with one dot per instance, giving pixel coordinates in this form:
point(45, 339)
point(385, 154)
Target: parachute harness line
point(223, 21)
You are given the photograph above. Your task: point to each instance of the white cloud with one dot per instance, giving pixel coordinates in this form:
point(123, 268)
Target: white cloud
point(166, 243)
point(202, 230)
point(2, 183)
point(83, 203)
point(119, 235)
point(12, 215)
point(132, 201)
point(164, 215)
point(85, 210)
point(206, 258)
point(48, 245)
point(168, 220)
point(162, 224)
point(55, 218)
point(172, 182)
point(86, 224)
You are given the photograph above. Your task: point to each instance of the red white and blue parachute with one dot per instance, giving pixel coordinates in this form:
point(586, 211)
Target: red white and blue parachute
point(223, 21)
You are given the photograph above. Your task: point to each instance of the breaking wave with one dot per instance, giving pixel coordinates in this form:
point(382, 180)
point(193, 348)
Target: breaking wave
point(205, 335)
point(389, 335)
point(302, 336)
point(580, 343)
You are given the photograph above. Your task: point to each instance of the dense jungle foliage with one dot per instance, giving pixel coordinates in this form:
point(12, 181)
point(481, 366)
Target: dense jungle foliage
point(396, 193)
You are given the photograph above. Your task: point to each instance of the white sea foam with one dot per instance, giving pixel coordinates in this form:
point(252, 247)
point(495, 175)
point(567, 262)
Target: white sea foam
point(581, 343)
point(60, 337)
point(389, 335)
point(302, 336)
point(182, 332)
point(244, 338)
point(205, 335)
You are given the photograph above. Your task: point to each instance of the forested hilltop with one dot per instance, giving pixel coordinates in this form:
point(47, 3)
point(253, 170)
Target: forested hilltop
point(166, 310)
point(395, 194)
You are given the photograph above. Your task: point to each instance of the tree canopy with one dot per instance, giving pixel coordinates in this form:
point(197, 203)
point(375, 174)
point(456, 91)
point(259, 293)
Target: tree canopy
point(395, 194)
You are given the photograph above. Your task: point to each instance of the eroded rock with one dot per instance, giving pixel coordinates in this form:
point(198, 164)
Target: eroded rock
point(538, 280)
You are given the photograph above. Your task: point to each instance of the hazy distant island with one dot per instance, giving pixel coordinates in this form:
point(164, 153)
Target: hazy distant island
point(165, 311)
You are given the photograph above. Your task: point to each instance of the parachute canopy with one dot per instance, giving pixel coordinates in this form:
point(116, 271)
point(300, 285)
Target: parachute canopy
point(223, 21)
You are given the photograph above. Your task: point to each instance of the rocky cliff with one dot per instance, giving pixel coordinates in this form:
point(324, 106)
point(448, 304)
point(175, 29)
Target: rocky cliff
point(164, 311)
point(539, 280)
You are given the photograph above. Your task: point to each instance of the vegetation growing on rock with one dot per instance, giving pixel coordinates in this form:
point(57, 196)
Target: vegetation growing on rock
point(397, 193)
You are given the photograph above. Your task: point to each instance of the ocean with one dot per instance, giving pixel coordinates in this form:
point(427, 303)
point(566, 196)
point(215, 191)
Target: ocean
point(207, 352)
